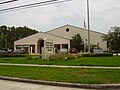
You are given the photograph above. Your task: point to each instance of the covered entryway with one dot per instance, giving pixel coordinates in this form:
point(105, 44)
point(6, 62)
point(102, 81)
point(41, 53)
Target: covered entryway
point(40, 44)
point(45, 47)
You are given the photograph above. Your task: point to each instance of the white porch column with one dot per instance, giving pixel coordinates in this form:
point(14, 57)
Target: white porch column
point(14, 47)
point(36, 48)
point(31, 49)
point(68, 47)
point(60, 46)
point(22, 47)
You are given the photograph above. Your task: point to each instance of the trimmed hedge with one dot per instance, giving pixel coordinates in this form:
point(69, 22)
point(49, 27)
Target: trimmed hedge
point(63, 57)
point(60, 56)
point(33, 57)
point(13, 55)
point(98, 55)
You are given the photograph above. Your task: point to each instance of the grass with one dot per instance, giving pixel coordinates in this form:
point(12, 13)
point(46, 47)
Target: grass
point(72, 75)
point(83, 61)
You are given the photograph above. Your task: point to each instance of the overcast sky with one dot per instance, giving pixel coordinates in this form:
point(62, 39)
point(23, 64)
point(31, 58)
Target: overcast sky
point(103, 15)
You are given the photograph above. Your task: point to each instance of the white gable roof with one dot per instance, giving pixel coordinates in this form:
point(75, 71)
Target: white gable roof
point(73, 30)
point(32, 39)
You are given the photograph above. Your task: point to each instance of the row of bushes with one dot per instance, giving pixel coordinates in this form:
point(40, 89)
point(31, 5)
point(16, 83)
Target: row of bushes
point(72, 56)
point(33, 57)
point(97, 55)
point(13, 55)
point(60, 56)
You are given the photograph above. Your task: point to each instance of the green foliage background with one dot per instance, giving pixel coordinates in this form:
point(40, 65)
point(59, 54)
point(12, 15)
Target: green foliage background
point(77, 42)
point(10, 34)
point(113, 39)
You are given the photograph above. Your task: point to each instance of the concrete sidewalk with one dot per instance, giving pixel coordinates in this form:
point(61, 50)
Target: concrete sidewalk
point(60, 66)
point(63, 84)
point(13, 85)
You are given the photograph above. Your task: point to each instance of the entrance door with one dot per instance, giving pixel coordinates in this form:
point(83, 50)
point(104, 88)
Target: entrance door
point(41, 44)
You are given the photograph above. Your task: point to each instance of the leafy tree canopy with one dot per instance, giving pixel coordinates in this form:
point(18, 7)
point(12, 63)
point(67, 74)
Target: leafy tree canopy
point(9, 34)
point(113, 39)
point(77, 42)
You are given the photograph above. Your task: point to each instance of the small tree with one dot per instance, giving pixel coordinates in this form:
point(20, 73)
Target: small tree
point(1, 41)
point(76, 42)
point(113, 39)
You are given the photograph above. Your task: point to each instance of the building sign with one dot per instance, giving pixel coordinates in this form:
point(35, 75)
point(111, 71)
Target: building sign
point(48, 48)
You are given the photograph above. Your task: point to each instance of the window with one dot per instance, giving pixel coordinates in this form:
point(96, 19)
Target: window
point(18, 47)
point(67, 30)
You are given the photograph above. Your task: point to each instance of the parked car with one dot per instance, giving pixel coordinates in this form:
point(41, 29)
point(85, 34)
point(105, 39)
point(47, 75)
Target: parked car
point(63, 50)
point(19, 51)
point(2, 51)
point(97, 51)
point(73, 51)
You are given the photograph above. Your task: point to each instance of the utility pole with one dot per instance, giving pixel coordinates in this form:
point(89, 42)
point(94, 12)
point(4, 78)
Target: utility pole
point(88, 15)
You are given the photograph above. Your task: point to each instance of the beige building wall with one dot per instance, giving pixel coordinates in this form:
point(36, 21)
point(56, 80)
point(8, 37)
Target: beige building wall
point(33, 40)
point(95, 37)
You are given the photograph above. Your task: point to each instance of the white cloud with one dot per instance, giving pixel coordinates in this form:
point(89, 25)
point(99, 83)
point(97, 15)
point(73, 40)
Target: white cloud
point(103, 14)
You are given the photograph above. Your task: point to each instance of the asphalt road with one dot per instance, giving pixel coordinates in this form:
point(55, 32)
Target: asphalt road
point(12, 85)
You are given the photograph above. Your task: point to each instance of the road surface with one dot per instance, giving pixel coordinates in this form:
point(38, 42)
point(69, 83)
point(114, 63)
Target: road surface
point(12, 85)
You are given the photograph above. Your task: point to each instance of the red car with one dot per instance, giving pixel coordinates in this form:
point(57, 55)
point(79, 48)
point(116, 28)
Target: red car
point(73, 50)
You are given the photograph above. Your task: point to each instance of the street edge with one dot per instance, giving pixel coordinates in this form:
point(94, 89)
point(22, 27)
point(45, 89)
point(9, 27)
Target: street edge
point(63, 84)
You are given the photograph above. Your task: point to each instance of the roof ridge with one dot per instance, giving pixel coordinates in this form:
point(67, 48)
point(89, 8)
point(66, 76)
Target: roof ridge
point(75, 27)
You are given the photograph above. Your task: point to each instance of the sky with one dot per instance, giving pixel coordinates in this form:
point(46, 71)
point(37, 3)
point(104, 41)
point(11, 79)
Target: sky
point(103, 15)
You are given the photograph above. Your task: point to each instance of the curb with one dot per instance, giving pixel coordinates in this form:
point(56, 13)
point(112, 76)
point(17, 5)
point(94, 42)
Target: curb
point(60, 66)
point(63, 84)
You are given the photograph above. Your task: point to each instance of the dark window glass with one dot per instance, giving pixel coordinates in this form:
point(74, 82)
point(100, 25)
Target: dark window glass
point(67, 29)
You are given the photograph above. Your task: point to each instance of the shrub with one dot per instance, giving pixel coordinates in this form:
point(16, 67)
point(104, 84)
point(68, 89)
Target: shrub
point(29, 57)
point(97, 55)
point(36, 57)
point(33, 57)
point(62, 57)
point(78, 55)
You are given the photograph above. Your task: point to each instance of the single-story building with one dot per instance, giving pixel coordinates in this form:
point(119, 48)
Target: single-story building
point(35, 43)
point(57, 38)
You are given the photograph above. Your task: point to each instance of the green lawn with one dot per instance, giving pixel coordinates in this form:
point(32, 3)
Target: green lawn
point(72, 75)
point(83, 61)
